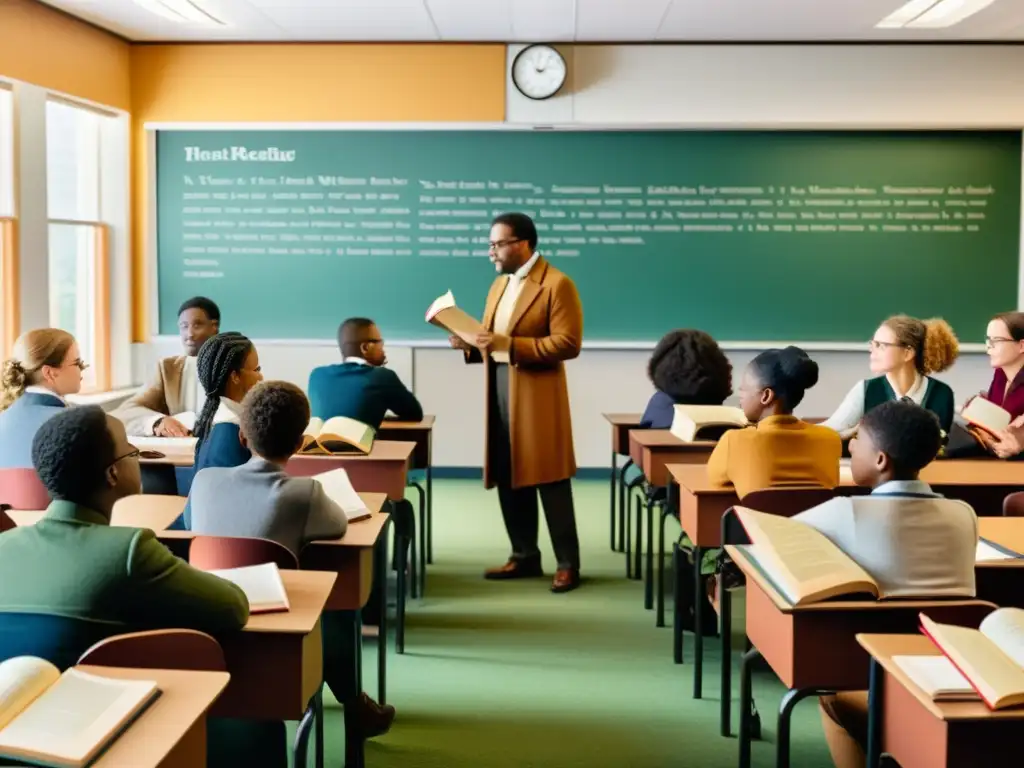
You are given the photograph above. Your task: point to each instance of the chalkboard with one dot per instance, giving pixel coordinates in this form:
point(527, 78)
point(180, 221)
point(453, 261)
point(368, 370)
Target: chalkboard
point(752, 236)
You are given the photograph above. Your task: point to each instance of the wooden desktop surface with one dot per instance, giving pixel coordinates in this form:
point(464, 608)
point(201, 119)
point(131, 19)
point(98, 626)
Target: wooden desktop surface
point(141, 511)
point(1007, 532)
point(384, 470)
point(420, 432)
point(654, 450)
point(622, 423)
point(171, 732)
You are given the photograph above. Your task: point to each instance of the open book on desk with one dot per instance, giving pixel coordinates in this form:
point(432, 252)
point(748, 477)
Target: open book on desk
point(444, 313)
point(66, 719)
point(705, 422)
point(262, 586)
point(801, 563)
point(337, 435)
point(991, 657)
point(938, 677)
point(338, 487)
point(991, 552)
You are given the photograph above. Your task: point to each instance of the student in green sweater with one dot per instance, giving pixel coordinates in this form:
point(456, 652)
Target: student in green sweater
point(905, 352)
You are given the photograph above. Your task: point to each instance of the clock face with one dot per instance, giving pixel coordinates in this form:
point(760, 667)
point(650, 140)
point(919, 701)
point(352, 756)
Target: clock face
point(538, 71)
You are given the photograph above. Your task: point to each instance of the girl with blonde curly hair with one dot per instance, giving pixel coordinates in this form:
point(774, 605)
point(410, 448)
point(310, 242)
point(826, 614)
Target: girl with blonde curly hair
point(905, 352)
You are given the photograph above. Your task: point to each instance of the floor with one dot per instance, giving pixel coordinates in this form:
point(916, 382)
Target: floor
point(503, 675)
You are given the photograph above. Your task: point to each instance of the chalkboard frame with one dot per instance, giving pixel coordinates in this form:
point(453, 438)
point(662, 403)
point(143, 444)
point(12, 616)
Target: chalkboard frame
point(151, 129)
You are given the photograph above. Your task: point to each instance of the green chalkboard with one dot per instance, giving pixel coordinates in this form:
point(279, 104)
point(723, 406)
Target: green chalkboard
point(752, 236)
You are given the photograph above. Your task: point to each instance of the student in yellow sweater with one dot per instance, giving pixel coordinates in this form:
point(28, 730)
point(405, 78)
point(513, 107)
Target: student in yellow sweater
point(781, 449)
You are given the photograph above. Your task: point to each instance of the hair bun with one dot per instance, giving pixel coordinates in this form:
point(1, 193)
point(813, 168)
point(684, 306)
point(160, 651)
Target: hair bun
point(941, 346)
point(799, 367)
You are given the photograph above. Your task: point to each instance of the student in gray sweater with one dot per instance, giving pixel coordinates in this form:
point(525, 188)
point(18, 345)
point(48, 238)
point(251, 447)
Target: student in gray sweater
point(260, 500)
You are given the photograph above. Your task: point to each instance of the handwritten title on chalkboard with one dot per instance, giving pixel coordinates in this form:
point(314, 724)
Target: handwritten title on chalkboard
point(239, 154)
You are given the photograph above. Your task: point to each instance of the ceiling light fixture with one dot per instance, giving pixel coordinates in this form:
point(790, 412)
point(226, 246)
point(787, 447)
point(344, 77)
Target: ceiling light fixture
point(932, 14)
point(180, 11)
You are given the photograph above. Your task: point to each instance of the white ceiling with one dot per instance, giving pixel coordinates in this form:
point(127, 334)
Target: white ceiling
point(543, 20)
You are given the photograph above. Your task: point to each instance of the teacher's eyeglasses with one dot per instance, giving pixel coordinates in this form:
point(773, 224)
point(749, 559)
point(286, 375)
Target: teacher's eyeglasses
point(991, 341)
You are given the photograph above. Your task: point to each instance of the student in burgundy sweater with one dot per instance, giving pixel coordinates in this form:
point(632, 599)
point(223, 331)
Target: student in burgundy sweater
point(1004, 342)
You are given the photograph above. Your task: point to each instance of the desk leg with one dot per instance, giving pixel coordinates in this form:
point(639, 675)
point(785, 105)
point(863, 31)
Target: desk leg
point(725, 606)
point(612, 476)
point(636, 506)
point(381, 576)
point(318, 704)
point(428, 529)
point(698, 625)
point(623, 512)
point(660, 619)
point(677, 603)
point(874, 747)
point(301, 745)
point(649, 572)
point(746, 706)
point(789, 701)
point(354, 745)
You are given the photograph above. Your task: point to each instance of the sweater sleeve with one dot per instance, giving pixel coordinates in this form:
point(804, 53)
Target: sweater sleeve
point(849, 413)
point(400, 400)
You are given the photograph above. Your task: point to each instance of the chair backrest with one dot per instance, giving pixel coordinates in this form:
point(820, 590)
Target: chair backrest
point(210, 553)
point(1013, 505)
point(6, 523)
point(58, 639)
point(787, 501)
point(22, 489)
point(158, 649)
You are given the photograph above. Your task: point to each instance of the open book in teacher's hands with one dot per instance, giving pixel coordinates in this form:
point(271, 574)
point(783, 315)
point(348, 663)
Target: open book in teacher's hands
point(991, 658)
point(55, 719)
point(337, 435)
point(444, 313)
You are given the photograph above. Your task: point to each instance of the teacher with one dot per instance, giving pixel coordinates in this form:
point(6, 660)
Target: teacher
point(534, 323)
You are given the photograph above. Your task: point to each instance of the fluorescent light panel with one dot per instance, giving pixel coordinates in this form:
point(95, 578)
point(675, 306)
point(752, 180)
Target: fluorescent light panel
point(932, 14)
point(180, 11)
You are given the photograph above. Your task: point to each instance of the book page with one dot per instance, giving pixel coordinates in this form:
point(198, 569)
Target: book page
point(76, 716)
point(338, 487)
point(1005, 628)
point(455, 320)
point(262, 586)
point(802, 562)
point(346, 430)
point(986, 553)
point(936, 676)
point(444, 301)
point(314, 427)
point(22, 679)
point(986, 415)
point(995, 675)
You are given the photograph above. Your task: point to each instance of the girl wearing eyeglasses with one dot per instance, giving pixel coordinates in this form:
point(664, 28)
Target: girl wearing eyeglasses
point(905, 352)
point(44, 368)
point(1004, 343)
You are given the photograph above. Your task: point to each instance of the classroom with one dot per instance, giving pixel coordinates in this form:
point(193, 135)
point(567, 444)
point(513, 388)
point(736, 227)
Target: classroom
point(316, 319)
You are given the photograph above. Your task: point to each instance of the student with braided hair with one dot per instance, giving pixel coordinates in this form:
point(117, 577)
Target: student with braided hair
point(228, 368)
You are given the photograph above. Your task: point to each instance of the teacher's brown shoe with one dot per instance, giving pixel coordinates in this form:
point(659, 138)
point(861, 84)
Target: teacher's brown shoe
point(566, 580)
point(515, 569)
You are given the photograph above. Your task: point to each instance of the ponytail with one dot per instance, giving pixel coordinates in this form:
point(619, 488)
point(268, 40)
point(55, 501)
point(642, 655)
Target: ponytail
point(219, 357)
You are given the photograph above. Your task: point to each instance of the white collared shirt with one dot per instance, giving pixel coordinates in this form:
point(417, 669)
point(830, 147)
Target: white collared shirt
point(507, 303)
point(851, 410)
point(228, 411)
point(37, 390)
point(354, 359)
point(193, 396)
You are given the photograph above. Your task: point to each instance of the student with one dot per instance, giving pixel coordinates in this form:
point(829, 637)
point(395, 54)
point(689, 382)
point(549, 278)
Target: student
point(1004, 342)
point(175, 388)
point(904, 351)
point(258, 499)
point(44, 368)
point(781, 449)
point(687, 367)
point(361, 387)
point(73, 564)
point(911, 540)
point(228, 368)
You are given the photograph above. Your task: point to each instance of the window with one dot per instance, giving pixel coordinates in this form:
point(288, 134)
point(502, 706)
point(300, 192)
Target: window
point(8, 273)
point(79, 255)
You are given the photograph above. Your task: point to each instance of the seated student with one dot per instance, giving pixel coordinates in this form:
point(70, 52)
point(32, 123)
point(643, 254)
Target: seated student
point(73, 564)
point(1004, 342)
point(687, 367)
point(258, 499)
point(45, 366)
point(914, 542)
point(175, 387)
point(781, 449)
point(904, 352)
point(361, 387)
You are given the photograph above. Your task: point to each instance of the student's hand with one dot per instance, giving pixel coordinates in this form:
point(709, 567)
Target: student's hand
point(456, 342)
point(483, 340)
point(1018, 422)
point(168, 427)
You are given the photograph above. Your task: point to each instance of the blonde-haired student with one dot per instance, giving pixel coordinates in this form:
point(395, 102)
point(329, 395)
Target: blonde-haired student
point(781, 449)
point(905, 352)
point(44, 368)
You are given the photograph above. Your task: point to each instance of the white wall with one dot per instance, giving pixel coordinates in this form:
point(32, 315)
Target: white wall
point(727, 86)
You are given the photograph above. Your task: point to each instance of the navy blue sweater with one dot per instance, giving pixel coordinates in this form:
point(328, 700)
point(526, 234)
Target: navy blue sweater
point(361, 392)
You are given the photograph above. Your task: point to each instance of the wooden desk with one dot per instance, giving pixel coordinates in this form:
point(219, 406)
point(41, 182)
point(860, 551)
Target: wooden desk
point(621, 424)
point(177, 451)
point(171, 732)
point(384, 470)
point(1002, 581)
point(422, 433)
point(813, 648)
point(904, 722)
point(142, 511)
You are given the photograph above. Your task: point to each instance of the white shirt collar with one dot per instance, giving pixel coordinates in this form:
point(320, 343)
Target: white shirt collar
point(917, 389)
point(354, 359)
point(228, 412)
point(37, 390)
point(521, 273)
point(917, 487)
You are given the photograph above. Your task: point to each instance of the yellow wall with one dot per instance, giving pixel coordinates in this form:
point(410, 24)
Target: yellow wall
point(42, 46)
point(300, 82)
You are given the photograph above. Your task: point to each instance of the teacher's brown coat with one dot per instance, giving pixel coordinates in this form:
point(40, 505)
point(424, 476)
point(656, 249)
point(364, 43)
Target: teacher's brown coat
point(546, 328)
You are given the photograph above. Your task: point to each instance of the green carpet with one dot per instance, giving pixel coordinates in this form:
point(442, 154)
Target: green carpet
point(508, 675)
